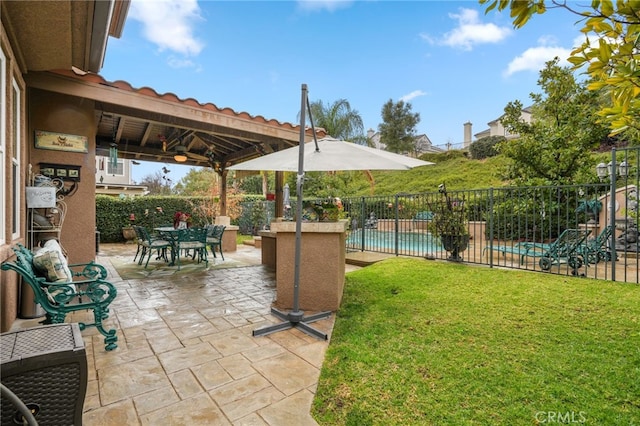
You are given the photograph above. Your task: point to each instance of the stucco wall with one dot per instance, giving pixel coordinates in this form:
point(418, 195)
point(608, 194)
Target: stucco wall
point(8, 280)
point(66, 114)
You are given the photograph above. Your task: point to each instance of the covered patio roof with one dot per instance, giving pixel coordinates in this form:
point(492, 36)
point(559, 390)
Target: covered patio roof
point(147, 126)
point(143, 124)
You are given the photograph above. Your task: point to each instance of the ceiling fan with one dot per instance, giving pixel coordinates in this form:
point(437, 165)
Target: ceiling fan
point(181, 151)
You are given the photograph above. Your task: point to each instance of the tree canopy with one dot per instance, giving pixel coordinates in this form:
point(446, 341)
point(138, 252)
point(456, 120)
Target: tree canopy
point(610, 51)
point(339, 120)
point(158, 183)
point(398, 127)
point(557, 144)
point(198, 182)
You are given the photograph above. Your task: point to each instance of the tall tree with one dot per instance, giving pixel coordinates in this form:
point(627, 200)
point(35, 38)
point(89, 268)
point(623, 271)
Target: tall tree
point(339, 120)
point(398, 127)
point(158, 183)
point(610, 51)
point(557, 144)
point(198, 182)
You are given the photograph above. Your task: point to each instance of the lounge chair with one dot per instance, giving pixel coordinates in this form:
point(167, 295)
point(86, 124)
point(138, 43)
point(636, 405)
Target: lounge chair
point(522, 250)
point(597, 249)
point(566, 248)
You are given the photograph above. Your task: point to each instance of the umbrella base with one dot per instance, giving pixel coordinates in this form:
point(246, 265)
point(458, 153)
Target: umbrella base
point(294, 319)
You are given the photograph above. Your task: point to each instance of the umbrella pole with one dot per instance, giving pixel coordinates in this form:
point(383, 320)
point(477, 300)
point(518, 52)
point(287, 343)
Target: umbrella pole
point(296, 317)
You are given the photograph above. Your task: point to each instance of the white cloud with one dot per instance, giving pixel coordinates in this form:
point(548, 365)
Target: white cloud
point(319, 5)
point(534, 58)
point(169, 24)
point(412, 95)
point(471, 31)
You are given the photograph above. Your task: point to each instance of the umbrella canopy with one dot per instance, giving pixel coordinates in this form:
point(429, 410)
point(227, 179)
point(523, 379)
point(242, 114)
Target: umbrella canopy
point(332, 155)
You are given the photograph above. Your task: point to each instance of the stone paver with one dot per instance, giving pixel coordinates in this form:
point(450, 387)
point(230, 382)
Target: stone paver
point(186, 354)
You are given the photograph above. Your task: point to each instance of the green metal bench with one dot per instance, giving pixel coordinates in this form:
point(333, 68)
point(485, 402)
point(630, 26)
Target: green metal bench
point(88, 290)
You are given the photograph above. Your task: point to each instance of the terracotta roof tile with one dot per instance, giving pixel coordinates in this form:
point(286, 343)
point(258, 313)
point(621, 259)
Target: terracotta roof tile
point(172, 97)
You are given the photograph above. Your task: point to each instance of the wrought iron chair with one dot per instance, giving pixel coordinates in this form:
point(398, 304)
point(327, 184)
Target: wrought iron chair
point(597, 249)
point(188, 239)
point(214, 238)
point(565, 248)
point(150, 244)
point(140, 250)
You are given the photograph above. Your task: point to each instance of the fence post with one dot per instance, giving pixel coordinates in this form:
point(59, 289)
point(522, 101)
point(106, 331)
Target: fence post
point(612, 209)
point(362, 219)
point(491, 215)
point(397, 213)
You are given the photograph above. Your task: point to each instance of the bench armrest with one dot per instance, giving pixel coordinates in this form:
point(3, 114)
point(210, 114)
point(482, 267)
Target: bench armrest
point(89, 271)
point(98, 291)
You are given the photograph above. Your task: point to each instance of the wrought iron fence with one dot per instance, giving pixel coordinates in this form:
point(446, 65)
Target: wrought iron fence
point(573, 230)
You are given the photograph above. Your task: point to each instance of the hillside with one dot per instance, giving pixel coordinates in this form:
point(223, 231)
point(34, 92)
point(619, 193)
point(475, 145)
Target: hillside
point(456, 171)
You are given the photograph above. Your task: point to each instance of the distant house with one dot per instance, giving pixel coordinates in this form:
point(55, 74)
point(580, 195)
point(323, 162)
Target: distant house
point(422, 142)
point(116, 178)
point(495, 128)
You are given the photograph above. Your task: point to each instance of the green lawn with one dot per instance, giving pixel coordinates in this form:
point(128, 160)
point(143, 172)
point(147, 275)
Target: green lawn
point(424, 342)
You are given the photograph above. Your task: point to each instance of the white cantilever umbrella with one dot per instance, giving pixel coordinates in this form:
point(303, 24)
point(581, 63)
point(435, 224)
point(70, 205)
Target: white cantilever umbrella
point(327, 154)
point(331, 155)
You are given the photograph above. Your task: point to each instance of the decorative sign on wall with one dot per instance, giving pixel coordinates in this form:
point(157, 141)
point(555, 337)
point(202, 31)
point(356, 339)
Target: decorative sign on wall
point(40, 197)
point(61, 141)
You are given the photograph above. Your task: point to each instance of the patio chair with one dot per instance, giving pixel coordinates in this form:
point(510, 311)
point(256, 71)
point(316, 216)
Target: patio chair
point(597, 249)
point(566, 248)
point(214, 238)
point(150, 244)
point(188, 239)
point(140, 250)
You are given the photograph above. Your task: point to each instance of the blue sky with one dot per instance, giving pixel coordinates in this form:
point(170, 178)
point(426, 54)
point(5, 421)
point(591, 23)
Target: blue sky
point(448, 59)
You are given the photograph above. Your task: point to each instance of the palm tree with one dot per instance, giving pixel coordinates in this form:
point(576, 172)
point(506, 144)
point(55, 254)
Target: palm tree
point(339, 120)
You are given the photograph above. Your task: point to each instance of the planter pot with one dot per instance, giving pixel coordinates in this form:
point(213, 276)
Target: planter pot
point(455, 244)
point(129, 233)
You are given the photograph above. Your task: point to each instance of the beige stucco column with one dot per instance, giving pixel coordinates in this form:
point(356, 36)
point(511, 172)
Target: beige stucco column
point(322, 264)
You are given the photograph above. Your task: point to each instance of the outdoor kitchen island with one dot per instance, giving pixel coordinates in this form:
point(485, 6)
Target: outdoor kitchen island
point(322, 264)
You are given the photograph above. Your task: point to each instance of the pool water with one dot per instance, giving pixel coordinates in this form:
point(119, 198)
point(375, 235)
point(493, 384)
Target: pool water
point(411, 243)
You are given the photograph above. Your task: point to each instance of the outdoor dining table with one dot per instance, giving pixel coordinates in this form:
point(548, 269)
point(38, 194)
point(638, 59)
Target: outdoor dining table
point(173, 235)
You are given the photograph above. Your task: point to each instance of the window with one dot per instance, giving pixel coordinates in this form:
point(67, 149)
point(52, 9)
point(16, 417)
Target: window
point(3, 146)
point(115, 171)
point(15, 159)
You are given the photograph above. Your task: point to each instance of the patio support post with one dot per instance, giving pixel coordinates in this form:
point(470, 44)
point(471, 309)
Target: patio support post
point(296, 317)
point(223, 192)
point(279, 212)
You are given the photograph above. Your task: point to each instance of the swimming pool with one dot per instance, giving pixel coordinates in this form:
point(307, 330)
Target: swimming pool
point(407, 243)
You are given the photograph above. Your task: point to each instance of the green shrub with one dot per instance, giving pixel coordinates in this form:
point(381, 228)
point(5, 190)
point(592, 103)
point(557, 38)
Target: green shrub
point(112, 213)
point(485, 147)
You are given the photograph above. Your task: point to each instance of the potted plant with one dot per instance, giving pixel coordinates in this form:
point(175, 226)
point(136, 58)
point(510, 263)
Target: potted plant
point(450, 223)
point(128, 232)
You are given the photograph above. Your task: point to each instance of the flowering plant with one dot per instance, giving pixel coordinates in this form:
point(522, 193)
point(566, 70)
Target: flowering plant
point(181, 217)
point(330, 210)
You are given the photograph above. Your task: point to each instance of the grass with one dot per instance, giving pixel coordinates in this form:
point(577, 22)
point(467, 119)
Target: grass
point(421, 342)
point(241, 238)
